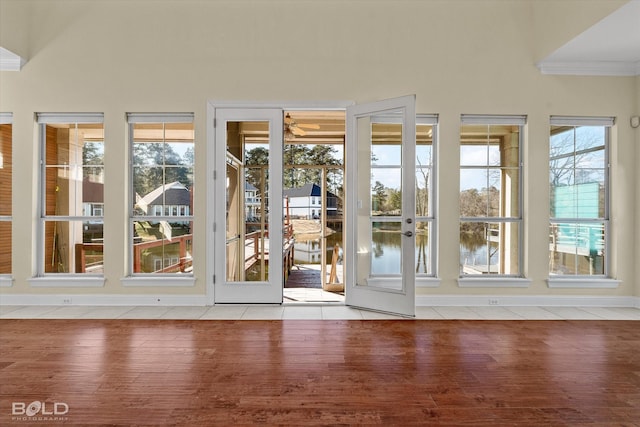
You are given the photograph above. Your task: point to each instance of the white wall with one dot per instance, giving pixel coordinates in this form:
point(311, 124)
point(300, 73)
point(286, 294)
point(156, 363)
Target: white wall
point(173, 56)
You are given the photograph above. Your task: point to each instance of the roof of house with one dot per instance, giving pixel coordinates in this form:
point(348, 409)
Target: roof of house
point(306, 191)
point(92, 192)
point(174, 193)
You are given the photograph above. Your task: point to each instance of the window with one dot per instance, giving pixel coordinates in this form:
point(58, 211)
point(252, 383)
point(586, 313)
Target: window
point(70, 234)
point(425, 195)
point(162, 158)
point(5, 195)
point(490, 195)
point(579, 196)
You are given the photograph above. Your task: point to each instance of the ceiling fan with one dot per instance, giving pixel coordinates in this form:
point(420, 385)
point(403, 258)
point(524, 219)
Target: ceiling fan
point(293, 128)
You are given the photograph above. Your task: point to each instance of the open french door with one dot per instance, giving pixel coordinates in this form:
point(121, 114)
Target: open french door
point(248, 209)
point(380, 221)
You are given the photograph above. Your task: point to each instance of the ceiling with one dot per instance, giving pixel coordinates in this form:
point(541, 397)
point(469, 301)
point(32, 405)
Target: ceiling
point(611, 47)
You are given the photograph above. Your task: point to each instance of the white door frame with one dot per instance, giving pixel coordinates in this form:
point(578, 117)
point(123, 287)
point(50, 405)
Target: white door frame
point(215, 253)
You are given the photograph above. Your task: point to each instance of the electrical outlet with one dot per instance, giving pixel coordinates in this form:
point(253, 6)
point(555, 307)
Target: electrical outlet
point(493, 301)
point(66, 300)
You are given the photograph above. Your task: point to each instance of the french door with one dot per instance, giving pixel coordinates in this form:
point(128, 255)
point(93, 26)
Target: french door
point(380, 220)
point(248, 209)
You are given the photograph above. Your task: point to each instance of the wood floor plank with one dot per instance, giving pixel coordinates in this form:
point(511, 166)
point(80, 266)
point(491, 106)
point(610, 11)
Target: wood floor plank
point(315, 372)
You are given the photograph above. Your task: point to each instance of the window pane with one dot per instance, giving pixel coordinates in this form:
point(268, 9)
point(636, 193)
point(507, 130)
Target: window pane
point(162, 247)
point(386, 155)
point(423, 248)
point(5, 247)
point(73, 247)
point(386, 193)
point(473, 155)
point(489, 248)
point(588, 137)
point(5, 169)
point(74, 171)
point(577, 248)
point(423, 191)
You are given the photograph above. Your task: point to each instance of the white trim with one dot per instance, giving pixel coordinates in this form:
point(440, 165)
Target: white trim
point(581, 121)
point(6, 118)
point(427, 282)
point(67, 281)
point(10, 61)
point(590, 68)
point(103, 300)
point(160, 117)
point(493, 282)
point(158, 281)
point(6, 281)
point(421, 119)
point(421, 300)
point(43, 118)
point(493, 119)
point(526, 301)
point(583, 282)
point(283, 105)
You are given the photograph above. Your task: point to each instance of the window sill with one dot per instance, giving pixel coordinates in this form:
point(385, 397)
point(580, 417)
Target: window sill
point(493, 282)
point(67, 281)
point(427, 282)
point(583, 283)
point(158, 281)
point(6, 281)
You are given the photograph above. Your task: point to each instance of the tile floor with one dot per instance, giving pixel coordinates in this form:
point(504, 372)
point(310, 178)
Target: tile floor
point(310, 311)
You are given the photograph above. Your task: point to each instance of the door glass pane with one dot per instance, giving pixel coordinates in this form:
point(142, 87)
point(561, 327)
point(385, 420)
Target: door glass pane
point(379, 204)
point(386, 244)
point(386, 193)
point(247, 182)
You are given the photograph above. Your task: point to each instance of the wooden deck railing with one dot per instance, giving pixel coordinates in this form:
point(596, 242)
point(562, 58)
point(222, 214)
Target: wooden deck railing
point(184, 263)
point(253, 240)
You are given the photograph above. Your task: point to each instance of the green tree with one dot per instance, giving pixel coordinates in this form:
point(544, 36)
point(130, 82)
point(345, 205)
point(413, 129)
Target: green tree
point(378, 196)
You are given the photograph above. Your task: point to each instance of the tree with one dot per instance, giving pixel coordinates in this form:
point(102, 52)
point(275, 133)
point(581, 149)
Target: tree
point(93, 155)
point(156, 164)
point(378, 197)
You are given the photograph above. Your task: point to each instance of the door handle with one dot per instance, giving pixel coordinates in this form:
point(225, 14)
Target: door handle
point(408, 233)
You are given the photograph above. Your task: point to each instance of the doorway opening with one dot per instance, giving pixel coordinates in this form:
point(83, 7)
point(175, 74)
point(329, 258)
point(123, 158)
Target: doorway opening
point(313, 203)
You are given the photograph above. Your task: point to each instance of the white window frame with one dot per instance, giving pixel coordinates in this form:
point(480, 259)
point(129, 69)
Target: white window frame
point(500, 280)
point(424, 279)
point(6, 280)
point(590, 281)
point(43, 279)
point(152, 279)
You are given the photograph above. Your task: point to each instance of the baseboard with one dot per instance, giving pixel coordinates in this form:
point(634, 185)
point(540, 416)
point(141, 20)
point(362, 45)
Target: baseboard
point(533, 300)
point(421, 300)
point(103, 300)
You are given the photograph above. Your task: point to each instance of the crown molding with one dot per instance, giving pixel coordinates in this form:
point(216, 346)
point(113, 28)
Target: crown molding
point(590, 68)
point(9, 61)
